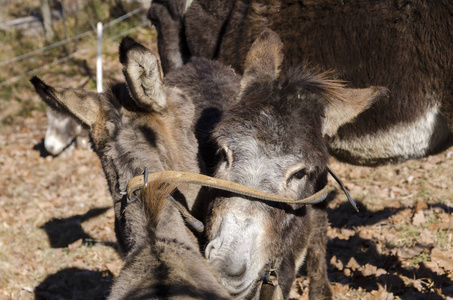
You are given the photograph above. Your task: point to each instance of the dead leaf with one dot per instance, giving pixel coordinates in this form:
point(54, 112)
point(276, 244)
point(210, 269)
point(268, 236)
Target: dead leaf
point(76, 244)
point(382, 294)
point(368, 270)
point(426, 237)
point(443, 258)
point(433, 267)
point(406, 253)
point(353, 264)
point(419, 218)
point(338, 264)
point(420, 206)
point(402, 216)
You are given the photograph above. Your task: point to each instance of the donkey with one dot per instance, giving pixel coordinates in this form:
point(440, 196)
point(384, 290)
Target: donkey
point(167, 263)
point(403, 45)
point(63, 132)
point(271, 138)
point(143, 124)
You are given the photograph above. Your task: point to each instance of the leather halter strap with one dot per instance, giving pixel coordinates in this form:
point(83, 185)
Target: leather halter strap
point(192, 178)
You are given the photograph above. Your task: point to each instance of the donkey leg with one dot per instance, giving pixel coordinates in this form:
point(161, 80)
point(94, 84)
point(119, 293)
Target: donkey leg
point(167, 16)
point(316, 256)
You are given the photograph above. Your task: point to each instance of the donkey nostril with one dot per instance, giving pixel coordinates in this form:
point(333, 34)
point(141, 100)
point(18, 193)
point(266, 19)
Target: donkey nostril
point(212, 248)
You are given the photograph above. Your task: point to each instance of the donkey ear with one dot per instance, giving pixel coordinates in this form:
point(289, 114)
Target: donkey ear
point(84, 106)
point(352, 103)
point(263, 59)
point(143, 75)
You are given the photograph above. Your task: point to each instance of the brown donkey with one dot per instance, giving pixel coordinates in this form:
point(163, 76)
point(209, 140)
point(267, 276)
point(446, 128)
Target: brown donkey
point(141, 125)
point(253, 124)
point(405, 46)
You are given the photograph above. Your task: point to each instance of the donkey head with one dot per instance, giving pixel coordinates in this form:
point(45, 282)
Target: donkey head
point(143, 124)
point(272, 140)
point(61, 132)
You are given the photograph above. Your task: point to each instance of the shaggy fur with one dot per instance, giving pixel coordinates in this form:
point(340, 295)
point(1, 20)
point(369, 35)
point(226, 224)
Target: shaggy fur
point(402, 45)
point(268, 131)
point(128, 137)
point(167, 263)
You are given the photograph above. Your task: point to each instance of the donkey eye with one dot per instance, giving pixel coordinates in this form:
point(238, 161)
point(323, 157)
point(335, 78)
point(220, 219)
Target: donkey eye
point(300, 174)
point(227, 155)
point(224, 152)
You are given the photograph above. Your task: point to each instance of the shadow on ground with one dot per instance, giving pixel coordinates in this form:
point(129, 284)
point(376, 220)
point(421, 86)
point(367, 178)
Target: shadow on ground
point(75, 283)
point(63, 232)
point(365, 252)
point(41, 149)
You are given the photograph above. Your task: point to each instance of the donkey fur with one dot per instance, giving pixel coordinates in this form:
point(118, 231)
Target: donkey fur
point(167, 263)
point(402, 45)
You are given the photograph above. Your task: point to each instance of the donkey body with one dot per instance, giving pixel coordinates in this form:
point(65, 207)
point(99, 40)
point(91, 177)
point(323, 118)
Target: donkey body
point(405, 46)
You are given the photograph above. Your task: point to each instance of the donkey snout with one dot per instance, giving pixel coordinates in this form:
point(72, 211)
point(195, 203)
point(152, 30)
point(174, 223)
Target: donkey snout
point(53, 146)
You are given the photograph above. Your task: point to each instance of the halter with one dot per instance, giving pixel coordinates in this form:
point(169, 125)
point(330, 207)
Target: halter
point(138, 182)
point(270, 288)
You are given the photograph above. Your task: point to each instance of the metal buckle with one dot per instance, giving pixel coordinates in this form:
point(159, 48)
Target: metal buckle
point(137, 193)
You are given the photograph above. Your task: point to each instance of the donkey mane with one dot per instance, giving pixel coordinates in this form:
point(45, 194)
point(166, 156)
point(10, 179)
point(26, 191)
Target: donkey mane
point(155, 196)
point(315, 81)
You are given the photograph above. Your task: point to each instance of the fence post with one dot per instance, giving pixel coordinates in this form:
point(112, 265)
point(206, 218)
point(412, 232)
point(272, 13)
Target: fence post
point(99, 59)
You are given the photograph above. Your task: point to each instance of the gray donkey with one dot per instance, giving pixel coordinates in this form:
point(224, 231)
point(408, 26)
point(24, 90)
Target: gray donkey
point(269, 136)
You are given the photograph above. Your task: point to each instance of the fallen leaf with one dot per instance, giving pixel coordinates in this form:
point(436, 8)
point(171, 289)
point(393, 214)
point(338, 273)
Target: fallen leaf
point(76, 244)
point(353, 264)
point(402, 216)
point(420, 206)
point(443, 258)
point(426, 237)
point(406, 253)
point(338, 264)
point(419, 218)
point(382, 294)
point(368, 270)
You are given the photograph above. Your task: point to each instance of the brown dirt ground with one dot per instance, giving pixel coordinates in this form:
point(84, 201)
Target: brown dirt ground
point(57, 239)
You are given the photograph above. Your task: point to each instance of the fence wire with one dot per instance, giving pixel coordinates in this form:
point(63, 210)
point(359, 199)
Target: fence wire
point(63, 42)
point(66, 58)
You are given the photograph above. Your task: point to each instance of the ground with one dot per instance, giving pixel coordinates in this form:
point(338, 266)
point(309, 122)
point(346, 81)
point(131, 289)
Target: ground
point(57, 239)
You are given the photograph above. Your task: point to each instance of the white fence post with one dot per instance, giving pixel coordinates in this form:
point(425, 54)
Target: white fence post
point(99, 60)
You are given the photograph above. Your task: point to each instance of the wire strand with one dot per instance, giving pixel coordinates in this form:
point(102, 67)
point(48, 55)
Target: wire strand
point(34, 71)
point(79, 36)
